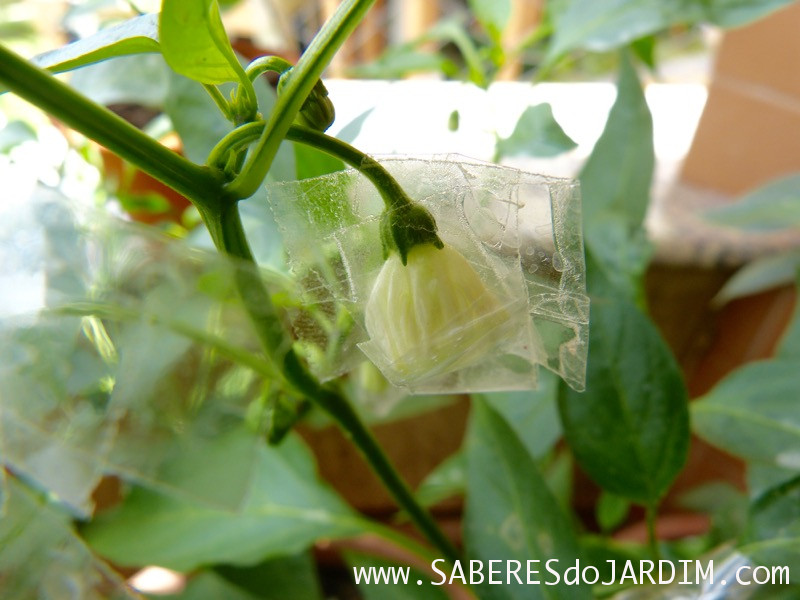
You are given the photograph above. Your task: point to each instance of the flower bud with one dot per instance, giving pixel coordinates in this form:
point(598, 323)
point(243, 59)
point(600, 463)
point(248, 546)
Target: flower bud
point(317, 111)
point(432, 315)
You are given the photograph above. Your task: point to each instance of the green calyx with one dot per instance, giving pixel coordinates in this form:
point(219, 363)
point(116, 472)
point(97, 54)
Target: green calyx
point(406, 226)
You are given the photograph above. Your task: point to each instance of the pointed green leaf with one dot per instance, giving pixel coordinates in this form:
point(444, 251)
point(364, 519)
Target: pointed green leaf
point(288, 510)
point(617, 176)
point(532, 414)
point(752, 413)
point(136, 36)
point(194, 42)
point(760, 275)
point(615, 185)
point(536, 133)
point(510, 513)
point(771, 207)
point(630, 429)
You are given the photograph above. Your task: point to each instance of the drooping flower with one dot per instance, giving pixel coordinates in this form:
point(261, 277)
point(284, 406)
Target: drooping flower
point(433, 314)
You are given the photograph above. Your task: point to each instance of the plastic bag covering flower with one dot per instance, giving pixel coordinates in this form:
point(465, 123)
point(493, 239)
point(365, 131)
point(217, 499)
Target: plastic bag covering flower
point(514, 237)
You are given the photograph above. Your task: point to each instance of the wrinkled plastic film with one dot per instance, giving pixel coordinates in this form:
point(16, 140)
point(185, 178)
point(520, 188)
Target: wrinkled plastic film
point(519, 232)
point(103, 368)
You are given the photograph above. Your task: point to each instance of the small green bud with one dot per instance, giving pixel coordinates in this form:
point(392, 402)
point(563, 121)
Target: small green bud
point(407, 226)
point(317, 111)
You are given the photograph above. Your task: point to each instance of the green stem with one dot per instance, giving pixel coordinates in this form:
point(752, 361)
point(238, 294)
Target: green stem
point(219, 100)
point(392, 193)
point(101, 125)
point(264, 64)
point(282, 356)
point(301, 80)
point(202, 185)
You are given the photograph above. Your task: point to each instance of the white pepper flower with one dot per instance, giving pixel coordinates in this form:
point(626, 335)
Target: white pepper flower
point(432, 315)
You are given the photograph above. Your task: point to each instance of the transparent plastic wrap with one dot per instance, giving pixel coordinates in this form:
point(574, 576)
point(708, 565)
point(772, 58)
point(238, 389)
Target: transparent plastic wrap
point(513, 247)
point(113, 358)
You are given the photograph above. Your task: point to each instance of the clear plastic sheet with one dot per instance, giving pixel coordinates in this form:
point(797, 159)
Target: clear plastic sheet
point(519, 232)
point(117, 358)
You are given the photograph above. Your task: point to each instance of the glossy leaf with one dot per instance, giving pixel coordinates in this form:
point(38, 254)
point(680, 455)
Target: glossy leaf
point(136, 36)
point(288, 510)
point(630, 429)
point(510, 513)
point(772, 207)
point(194, 42)
point(536, 133)
point(752, 413)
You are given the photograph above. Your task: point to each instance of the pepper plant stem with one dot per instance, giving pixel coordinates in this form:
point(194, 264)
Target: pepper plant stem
point(107, 129)
point(392, 192)
point(300, 81)
point(204, 187)
point(281, 354)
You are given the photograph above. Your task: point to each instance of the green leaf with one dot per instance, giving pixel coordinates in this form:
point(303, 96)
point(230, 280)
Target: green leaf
point(734, 13)
point(510, 513)
point(617, 176)
point(207, 584)
point(399, 62)
point(41, 556)
point(773, 207)
point(128, 79)
point(136, 36)
point(630, 429)
point(615, 185)
point(363, 566)
point(602, 26)
point(288, 510)
point(773, 536)
point(533, 415)
point(760, 275)
point(492, 14)
point(536, 133)
point(194, 42)
point(611, 511)
point(312, 162)
point(752, 413)
point(446, 480)
point(789, 347)
point(276, 579)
